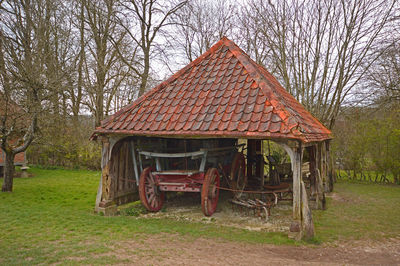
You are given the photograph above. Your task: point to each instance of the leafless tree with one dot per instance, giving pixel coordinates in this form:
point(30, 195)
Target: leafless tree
point(198, 25)
point(143, 21)
point(384, 74)
point(249, 35)
point(104, 72)
point(27, 77)
point(75, 88)
point(319, 48)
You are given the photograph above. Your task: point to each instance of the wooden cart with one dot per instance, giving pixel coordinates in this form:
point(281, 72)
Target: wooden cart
point(206, 179)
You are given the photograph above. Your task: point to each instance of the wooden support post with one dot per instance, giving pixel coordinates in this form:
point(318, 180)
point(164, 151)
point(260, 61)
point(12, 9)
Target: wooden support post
point(302, 225)
point(250, 157)
point(320, 194)
point(330, 166)
point(323, 165)
point(135, 164)
point(104, 163)
point(104, 201)
point(320, 162)
point(312, 157)
point(307, 224)
point(255, 160)
point(297, 152)
point(259, 161)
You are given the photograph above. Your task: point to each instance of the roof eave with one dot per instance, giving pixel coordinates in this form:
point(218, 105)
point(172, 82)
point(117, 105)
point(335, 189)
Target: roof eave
point(215, 134)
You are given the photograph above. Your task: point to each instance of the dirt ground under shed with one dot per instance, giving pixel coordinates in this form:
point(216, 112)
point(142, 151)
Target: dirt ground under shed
point(188, 208)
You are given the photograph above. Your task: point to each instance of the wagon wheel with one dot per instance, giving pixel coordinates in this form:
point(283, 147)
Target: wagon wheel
point(150, 196)
point(238, 178)
point(210, 192)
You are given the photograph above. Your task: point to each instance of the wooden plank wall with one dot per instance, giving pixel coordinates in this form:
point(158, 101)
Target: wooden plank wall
point(123, 175)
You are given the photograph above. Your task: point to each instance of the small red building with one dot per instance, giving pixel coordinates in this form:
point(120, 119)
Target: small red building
point(20, 159)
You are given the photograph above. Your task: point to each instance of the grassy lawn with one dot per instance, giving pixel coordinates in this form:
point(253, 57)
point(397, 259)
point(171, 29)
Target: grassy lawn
point(360, 211)
point(49, 219)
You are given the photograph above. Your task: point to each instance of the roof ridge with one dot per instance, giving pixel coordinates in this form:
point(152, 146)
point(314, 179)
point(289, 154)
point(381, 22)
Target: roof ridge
point(168, 81)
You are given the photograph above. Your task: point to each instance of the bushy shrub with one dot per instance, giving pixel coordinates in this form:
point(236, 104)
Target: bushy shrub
point(66, 145)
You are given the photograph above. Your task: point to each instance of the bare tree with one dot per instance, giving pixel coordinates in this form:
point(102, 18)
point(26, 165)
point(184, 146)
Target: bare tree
point(75, 88)
point(384, 75)
point(24, 75)
point(144, 20)
point(104, 71)
point(319, 48)
point(198, 25)
point(249, 35)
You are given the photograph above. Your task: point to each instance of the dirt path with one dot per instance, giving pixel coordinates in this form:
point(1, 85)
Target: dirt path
point(177, 250)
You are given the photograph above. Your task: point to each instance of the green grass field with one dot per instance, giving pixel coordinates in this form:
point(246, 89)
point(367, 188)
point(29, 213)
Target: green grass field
point(359, 211)
point(49, 219)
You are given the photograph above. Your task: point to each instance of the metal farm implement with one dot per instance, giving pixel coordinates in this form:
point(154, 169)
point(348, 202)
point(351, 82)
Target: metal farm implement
point(205, 179)
point(261, 201)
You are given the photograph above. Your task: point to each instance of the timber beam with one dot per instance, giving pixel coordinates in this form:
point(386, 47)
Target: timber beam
point(302, 226)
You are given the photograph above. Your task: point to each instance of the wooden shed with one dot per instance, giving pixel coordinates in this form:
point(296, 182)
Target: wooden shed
point(220, 97)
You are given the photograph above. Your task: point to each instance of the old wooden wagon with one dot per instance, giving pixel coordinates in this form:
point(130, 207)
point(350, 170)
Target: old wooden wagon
point(162, 141)
point(200, 173)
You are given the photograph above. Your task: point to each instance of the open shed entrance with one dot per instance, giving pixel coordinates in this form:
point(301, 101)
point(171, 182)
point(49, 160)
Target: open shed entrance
point(258, 173)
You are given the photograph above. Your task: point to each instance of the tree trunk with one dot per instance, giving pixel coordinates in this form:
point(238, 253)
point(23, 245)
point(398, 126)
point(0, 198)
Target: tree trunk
point(99, 108)
point(8, 172)
point(307, 223)
point(145, 75)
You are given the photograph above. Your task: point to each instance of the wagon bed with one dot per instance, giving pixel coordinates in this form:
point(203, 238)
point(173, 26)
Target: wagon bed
point(206, 180)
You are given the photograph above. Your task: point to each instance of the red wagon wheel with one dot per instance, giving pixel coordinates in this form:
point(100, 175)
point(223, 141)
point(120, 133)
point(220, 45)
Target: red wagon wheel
point(210, 192)
point(238, 176)
point(150, 196)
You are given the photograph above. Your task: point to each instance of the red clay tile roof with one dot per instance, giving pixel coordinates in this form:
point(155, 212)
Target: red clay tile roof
point(223, 93)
